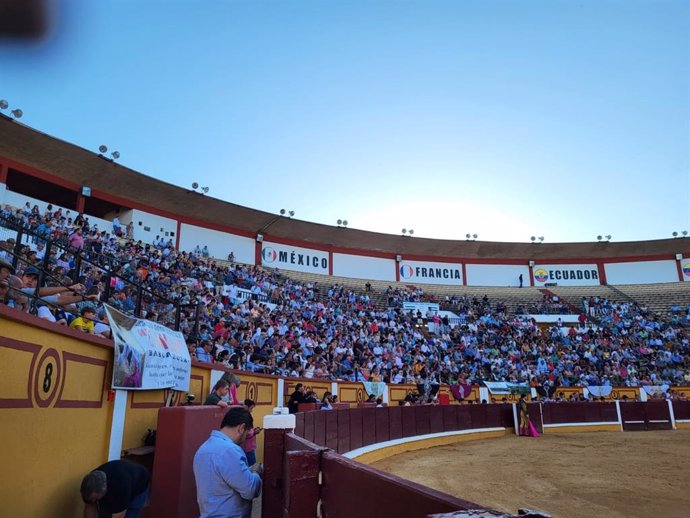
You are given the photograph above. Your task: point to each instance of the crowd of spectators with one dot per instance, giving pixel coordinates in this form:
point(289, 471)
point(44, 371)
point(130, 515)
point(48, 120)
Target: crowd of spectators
point(254, 319)
point(550, 304)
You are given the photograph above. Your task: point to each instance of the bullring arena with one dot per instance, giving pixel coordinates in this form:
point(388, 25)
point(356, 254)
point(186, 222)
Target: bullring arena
point(568, 475)
point(442, 438)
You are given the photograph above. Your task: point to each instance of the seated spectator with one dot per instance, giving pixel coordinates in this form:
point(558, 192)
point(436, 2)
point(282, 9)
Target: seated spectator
point(102, 326)
point(47, 312)
point(51, 295)
point(203, 353)
point(86, 320)
point(4, 291)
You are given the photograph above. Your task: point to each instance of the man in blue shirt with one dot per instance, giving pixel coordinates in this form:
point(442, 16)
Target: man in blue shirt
point(203, 352)
point(225, 485)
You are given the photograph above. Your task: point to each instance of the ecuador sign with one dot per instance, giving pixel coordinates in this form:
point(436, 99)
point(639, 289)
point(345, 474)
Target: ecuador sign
point(147, 355)
point(566, 274)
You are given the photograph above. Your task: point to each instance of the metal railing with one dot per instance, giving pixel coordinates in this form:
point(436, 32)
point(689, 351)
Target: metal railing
point(88, 267)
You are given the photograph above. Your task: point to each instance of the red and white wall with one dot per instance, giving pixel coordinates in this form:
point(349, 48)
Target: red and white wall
point(294, 255)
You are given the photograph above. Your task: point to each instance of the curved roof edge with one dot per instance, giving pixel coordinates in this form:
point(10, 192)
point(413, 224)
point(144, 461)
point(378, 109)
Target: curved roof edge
point(39, 154)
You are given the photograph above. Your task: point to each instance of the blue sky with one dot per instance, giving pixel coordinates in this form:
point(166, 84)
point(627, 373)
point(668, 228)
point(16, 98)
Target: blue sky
point(556, 118)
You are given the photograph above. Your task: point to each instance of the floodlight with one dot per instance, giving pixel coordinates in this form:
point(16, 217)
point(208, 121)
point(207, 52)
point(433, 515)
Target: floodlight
point(292, 213)
point(115, 155)
point(608, 237)
point(345, 223)
point(533, 239)
point(195, 185)
point(599, 238)
point(205, 189)
point(103, 148)
point(3, 104)
point(475, 236)
point(685, 233)
point(340, 222)
point(468, 236)
point(404, 231)
point(282, 212)
point(411, 231)
point(17, 113)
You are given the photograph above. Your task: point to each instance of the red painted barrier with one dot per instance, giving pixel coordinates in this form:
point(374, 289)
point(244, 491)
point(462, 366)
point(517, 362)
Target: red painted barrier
point(353, 490)
point(681, 410)
point(181, 430)
point(343, 430)
point(651, 415)
point(585, 412)
point(347, 430)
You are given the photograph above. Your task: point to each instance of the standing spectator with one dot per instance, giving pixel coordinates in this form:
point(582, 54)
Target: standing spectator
point(76, 239)
point(234, 383)
point(249, 445)
point(225, 484)
point(115, 488)
point(117, 226)
point(220, 390)
point(296, 398)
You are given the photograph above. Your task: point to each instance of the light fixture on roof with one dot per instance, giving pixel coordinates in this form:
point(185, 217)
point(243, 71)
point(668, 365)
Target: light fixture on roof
point(342, 223)
point(103, 149)
point(676, 234)
point(16, 113)
point(195, 186)
point(406, 232)
point(471, 237)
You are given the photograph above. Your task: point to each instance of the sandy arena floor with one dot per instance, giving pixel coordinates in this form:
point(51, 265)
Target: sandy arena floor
point(581, 475)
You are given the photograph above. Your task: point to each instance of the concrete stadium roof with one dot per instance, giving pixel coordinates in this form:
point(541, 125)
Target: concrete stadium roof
point(33, 150)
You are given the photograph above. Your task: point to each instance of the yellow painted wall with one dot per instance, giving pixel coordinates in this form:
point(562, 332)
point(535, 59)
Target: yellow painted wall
point(49, 439)
point(47, 447)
